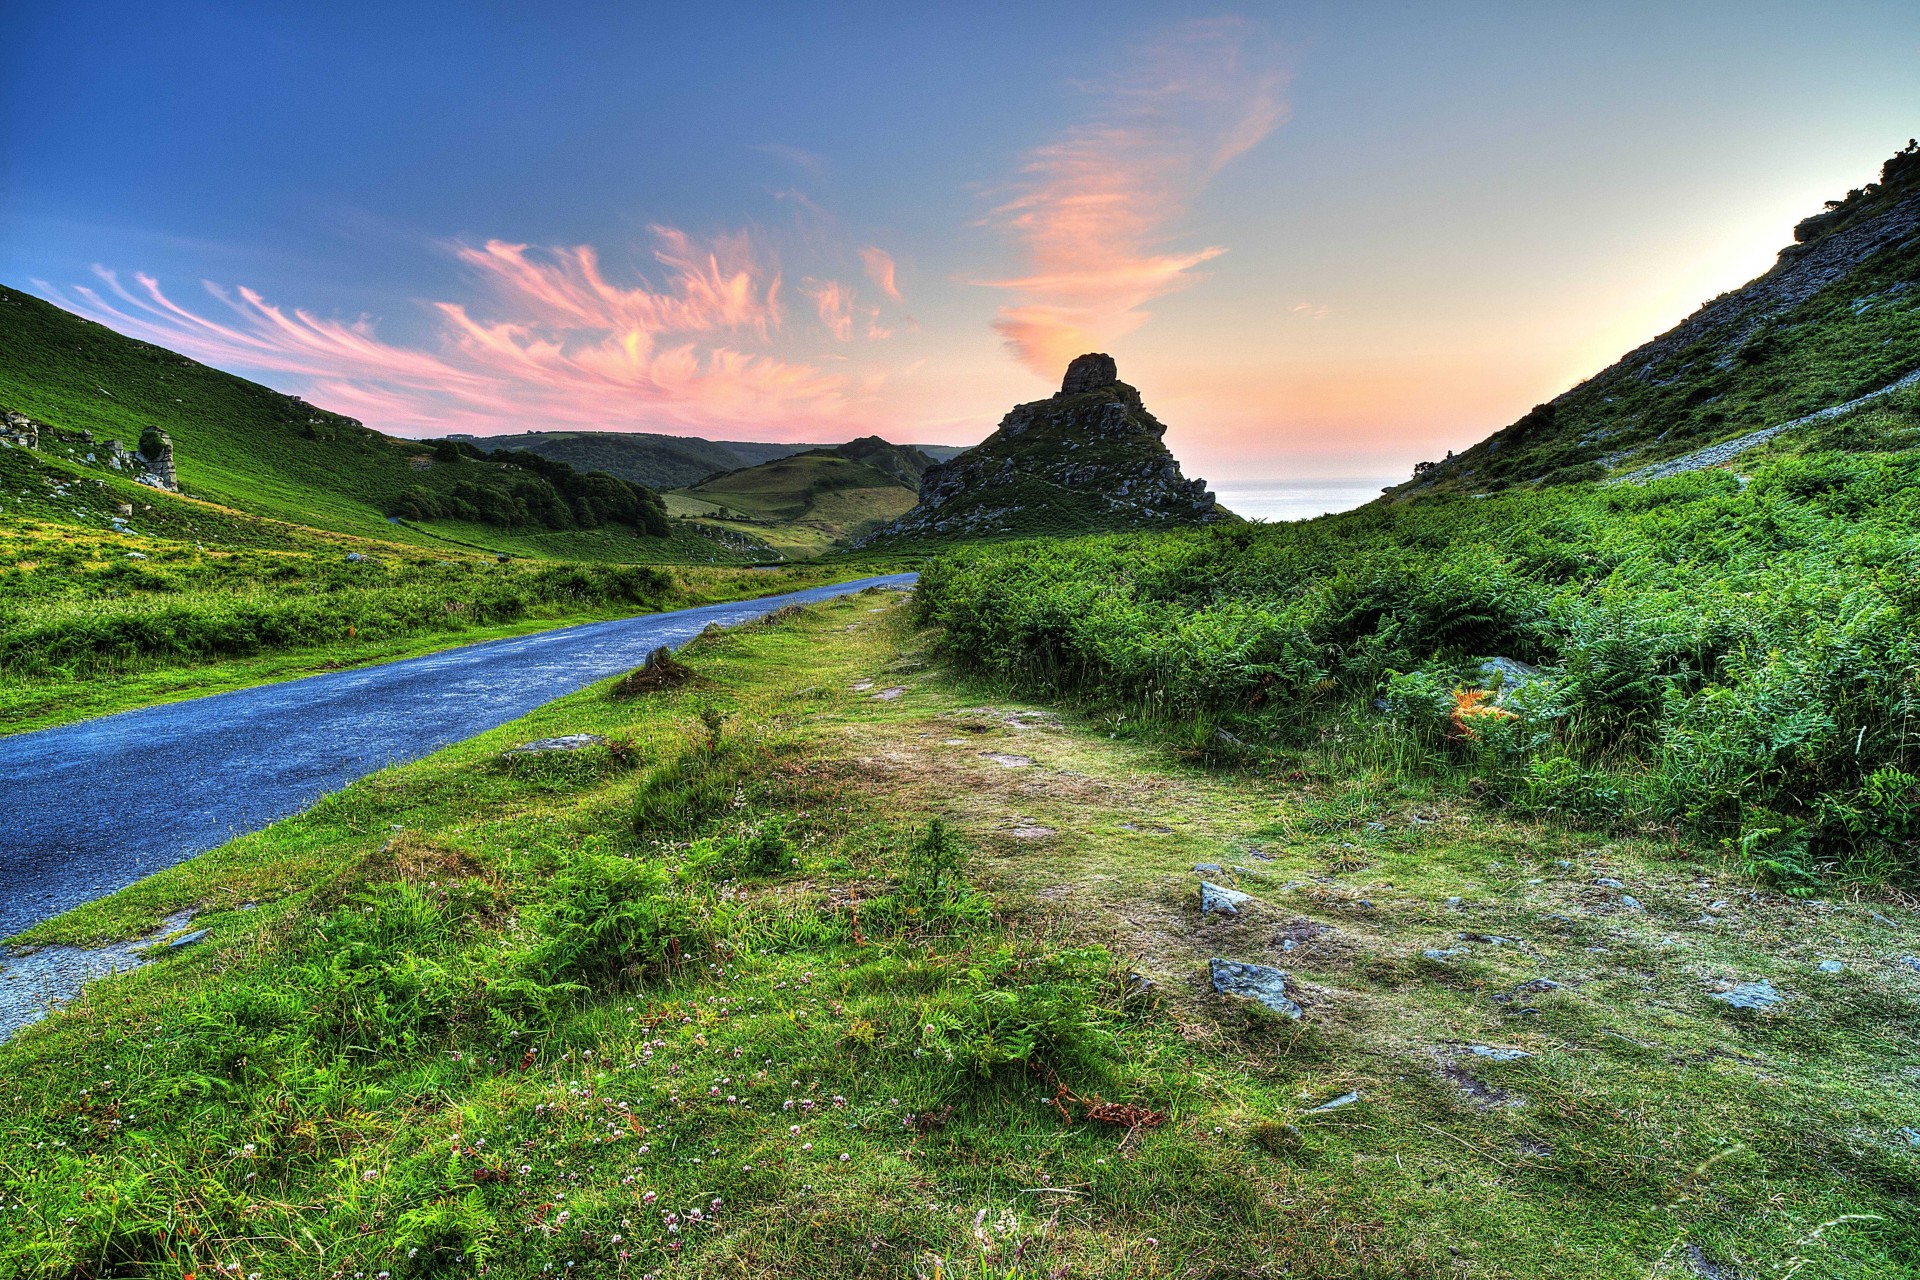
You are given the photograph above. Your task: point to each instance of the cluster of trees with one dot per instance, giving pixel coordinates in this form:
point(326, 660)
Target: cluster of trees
point(515, 489)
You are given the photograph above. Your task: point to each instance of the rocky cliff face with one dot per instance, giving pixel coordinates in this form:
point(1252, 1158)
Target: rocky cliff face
point(1087, 460)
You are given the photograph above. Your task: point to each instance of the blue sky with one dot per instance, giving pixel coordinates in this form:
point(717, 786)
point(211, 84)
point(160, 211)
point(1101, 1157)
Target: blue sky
point(1325, 240)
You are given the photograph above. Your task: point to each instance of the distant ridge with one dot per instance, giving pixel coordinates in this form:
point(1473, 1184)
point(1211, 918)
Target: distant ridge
point(666, 462)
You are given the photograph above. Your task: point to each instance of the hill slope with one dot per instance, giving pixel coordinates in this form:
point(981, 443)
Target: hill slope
point(903, 462)
point(1837, 318)
point(248, 447)
point(1088, 460)
point(802, 505)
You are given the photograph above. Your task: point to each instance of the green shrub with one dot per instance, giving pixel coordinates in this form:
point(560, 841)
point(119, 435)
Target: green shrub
point(612, 920)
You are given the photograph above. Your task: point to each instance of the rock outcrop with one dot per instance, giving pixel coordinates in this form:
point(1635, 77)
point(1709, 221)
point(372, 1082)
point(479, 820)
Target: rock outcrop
point(152, 465)
point(156, 456)
point(1089, 459)
point(18, 430)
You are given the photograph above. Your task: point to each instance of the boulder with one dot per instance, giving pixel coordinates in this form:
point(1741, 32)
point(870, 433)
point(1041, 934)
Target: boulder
point(19, 429)
point(1750, 995)
point(1215, 900)
point(1090, 372)
point(1258, 982)
point(156, 461)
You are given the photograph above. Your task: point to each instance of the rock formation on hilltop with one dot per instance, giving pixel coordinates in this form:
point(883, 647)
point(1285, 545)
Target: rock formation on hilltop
point(1089, 459)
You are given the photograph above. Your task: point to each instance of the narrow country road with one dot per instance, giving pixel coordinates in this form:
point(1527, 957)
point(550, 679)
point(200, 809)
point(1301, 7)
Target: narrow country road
point(89, 808)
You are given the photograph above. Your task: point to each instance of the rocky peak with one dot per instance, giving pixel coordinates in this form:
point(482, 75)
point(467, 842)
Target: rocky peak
point(1091, 372)
point(1086, 460)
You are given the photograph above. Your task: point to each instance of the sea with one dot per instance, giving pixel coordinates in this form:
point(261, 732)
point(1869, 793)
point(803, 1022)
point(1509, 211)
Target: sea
point(1296, 499)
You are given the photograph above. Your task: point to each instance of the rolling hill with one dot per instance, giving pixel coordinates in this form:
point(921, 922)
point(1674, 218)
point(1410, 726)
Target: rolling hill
point(657, 461)
point(806, 504)
point(676, 462)
point(1834, 323)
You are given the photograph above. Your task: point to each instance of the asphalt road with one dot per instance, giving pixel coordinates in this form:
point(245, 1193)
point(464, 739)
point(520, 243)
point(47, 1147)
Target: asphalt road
point(89, 808)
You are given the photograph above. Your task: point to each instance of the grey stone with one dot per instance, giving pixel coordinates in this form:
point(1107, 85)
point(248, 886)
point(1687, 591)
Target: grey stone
point(1608, 882)
point(1497, 1054)
point(1706, 1268)
point(1750, 995)
point(567, 742)
point(1209, 868)
point(1912, 1136)
point(1511, 675)
point(1259, 982)
point(36, 980)
point(354, 557)
point(1215, 899)
point(888, 695)
point(1435, 953)
point(1912, 962)
point(1831, 966)
point(1006, 761)
point(186, 939)
point(1630, 902)
point(1344, 1100)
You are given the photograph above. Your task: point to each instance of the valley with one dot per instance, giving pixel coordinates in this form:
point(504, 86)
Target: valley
point(1517, 875)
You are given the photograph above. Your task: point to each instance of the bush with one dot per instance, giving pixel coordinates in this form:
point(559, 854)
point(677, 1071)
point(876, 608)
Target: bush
point(611, 921)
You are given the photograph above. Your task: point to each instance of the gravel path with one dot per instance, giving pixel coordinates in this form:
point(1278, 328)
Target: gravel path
point(89, 808)
point(1727, 450)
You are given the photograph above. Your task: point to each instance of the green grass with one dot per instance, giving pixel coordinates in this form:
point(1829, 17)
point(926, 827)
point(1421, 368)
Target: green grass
point(466, 1016)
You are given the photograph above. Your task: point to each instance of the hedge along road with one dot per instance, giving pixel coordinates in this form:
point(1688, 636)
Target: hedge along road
point(89, 808)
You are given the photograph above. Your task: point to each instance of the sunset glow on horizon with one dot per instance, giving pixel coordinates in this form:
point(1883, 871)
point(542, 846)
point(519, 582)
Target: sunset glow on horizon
point(1323, 243)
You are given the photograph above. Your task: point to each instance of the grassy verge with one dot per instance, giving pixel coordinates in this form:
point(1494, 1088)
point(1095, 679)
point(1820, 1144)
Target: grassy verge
point(720, 999)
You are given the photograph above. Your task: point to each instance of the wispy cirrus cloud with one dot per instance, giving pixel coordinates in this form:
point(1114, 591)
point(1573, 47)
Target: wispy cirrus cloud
point(549, 341)
point(1095, 211)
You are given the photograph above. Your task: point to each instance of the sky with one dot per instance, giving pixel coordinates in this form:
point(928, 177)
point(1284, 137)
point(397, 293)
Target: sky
point(1326, 241)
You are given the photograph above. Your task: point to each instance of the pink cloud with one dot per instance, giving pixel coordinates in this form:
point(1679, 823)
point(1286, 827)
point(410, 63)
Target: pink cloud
point(1094, 209)
point(880, 270)
point(551, 343)
point(834, 302)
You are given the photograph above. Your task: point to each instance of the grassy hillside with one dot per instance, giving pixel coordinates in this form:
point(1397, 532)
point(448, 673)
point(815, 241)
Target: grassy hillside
point(1734, 663)
point(721, 1000)
point(244, 446)
point(802, 505)
point(1838, 317)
